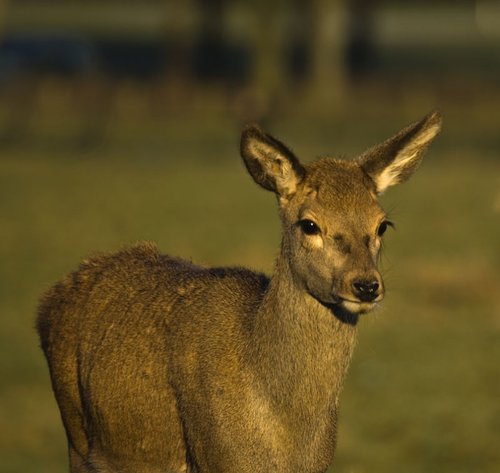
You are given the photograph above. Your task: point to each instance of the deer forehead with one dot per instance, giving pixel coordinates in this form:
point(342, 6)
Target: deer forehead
point(340, 191)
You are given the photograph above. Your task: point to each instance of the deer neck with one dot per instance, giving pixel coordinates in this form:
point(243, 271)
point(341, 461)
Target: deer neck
point(302, 349)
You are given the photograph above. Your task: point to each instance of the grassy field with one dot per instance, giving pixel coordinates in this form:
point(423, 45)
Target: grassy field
point(424, 388)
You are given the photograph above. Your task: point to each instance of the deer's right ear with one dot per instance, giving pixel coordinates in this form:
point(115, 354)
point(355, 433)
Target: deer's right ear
point(271, 164)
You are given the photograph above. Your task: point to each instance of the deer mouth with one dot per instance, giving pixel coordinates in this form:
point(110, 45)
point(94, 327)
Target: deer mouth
point(357, 307)
point(347, 308)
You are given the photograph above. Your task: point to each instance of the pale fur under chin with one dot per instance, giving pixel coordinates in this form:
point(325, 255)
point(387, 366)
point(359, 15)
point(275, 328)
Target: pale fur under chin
point(358, 307)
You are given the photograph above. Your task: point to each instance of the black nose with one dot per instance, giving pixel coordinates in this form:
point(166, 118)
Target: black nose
point(366, 291)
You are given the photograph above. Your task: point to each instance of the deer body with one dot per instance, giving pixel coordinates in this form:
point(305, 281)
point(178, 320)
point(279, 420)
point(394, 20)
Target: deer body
point(158, 365)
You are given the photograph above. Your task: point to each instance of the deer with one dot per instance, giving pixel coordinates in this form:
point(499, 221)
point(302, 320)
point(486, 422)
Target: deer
point(160, 365)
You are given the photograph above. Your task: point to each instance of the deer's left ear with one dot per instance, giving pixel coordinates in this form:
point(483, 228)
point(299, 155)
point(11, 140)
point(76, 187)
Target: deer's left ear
point(395, 160)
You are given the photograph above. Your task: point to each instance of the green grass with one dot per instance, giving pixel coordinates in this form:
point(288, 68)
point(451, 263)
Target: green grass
point(423, 391)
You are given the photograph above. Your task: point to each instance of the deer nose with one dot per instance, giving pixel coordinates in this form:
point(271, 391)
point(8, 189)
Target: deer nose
point(366, 290)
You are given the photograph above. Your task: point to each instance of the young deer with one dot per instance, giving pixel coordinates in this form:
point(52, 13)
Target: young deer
point(158, 365)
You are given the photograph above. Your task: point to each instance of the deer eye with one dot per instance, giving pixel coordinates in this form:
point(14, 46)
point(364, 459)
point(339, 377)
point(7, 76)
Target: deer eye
point(383, 227)
point(309, 227)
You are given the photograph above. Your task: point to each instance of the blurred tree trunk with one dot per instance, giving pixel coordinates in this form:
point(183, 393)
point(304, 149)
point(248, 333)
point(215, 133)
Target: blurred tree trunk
point(269, 72)
point(327, 88)
point(209, 45)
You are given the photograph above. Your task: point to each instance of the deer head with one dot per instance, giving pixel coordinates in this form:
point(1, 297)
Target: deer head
point(332, 222)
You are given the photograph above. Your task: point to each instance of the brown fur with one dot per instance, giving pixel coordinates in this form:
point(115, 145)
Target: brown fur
point(162, 366)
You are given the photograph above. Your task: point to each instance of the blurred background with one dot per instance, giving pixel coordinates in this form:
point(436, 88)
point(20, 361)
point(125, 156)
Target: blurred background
point(120, 121)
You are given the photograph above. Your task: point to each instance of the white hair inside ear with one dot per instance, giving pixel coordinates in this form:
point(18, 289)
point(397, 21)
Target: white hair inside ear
point(395, 160)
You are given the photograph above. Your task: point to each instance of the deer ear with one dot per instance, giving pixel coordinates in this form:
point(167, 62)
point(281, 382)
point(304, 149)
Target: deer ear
point(395, 160)
point(271, 164)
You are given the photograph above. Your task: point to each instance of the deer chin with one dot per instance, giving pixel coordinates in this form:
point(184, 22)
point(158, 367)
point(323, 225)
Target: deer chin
point(356, 307)
point(346, 307)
